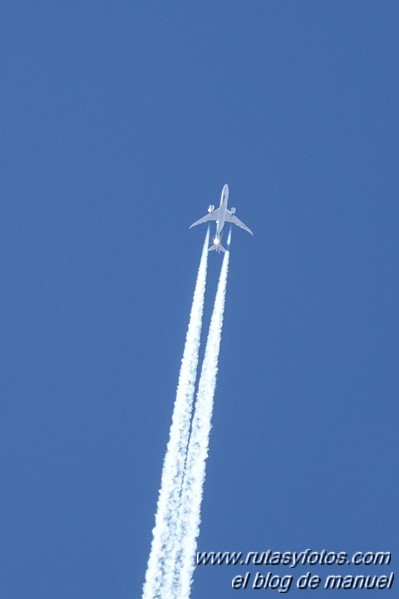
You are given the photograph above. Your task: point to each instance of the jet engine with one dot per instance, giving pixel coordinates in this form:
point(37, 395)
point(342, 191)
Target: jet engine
point(233, 211)
point(211, 208)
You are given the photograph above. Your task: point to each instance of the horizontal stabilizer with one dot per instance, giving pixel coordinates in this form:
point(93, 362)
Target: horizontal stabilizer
point(217, 248)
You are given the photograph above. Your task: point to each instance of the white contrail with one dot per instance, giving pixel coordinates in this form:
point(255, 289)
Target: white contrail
point(164, 533)
point(194, 475)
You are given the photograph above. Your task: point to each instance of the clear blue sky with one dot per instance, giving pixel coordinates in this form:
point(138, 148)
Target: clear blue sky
point(120, 123)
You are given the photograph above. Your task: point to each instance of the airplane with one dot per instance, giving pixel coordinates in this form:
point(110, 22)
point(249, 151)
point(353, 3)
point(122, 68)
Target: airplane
point(221, 215)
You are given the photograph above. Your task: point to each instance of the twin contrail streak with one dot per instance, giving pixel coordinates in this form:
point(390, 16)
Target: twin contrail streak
point(189, 518)
point(171, 562)
point(161, 562)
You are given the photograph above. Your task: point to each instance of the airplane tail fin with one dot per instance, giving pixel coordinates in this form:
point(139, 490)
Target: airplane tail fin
point(217, 248)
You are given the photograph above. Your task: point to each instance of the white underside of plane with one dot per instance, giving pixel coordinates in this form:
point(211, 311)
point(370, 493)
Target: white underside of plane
point(221, 215)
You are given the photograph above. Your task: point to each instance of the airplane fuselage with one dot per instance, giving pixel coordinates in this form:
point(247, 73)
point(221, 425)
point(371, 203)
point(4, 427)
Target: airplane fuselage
point(224, 198)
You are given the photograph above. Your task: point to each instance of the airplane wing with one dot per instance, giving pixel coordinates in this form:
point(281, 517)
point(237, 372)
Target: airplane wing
point(212, 216)
point(231, 218)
